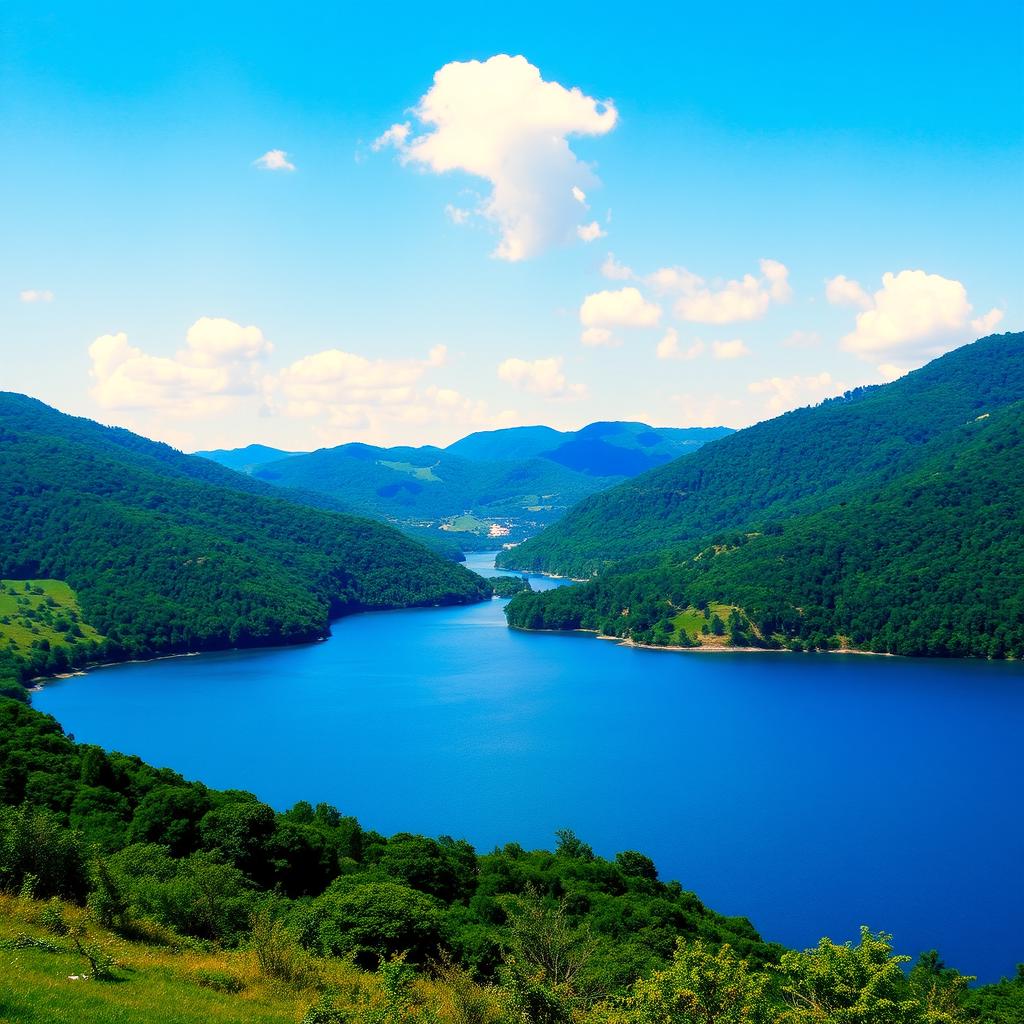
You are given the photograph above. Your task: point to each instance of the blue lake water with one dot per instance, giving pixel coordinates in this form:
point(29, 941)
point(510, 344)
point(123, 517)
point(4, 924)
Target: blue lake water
point(811, 793)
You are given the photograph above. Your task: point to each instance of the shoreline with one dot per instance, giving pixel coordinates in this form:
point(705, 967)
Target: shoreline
point(706, 648)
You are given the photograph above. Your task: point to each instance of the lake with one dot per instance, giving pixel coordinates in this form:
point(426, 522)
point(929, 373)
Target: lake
point(811, 793)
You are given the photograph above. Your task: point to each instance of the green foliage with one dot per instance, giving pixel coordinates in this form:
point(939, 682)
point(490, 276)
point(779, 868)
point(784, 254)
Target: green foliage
point(849, 984)
point(509, 586)
point(168, 552)
point(372, 921)
point(925, 565)
point(702, 985)
point(797, 463)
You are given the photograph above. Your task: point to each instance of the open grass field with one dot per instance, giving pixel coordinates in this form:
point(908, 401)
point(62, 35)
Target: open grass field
point(44, 980)
point(691, 620)
point(36, 610)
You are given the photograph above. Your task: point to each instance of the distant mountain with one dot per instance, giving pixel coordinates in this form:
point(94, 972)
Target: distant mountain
point(918, 553)
point(799, 462)
point(607, 449)
point(432, 491)
point(469, 494)
point(627, 449)
point(168, 552)
point(507, 445)
point(243, 460)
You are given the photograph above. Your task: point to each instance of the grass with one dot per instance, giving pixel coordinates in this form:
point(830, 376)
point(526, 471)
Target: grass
point(416, 472)
point(467, 524)
point(34, 610)
point(182, 983)
point(690, 620)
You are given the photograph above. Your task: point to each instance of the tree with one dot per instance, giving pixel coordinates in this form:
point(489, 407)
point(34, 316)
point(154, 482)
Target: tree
point(702, 985)
point(373, 921)
point(862, 984)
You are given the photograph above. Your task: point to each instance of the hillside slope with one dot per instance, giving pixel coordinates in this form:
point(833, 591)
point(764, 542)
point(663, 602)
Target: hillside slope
point(430, 490)
point(804, 460)
point(244, 460)
point(168, 552)
point(607, 449)
point(931, 563)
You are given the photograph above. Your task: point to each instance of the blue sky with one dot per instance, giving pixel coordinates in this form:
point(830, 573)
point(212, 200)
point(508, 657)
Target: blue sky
point(154, 275)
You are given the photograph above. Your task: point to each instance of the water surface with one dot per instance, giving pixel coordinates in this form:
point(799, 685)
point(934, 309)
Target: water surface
point(811, 793)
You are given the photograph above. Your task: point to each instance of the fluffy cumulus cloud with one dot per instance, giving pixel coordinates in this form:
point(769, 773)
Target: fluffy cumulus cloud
point(735, 348)
point(915, 316)
point(501, 121)
point(344, 387)
point(784, 393)
point(615, 271)
point(842, 291)
point(745, 299)
point(539, 376)
point(274, 160)
point(32, 295)
point(669, 348)
point(590, 232)
point(221, 360)
point(622, 307)
point(597, 337)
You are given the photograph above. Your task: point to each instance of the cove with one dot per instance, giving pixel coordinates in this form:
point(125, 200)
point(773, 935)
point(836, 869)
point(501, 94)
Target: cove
point(811, 793)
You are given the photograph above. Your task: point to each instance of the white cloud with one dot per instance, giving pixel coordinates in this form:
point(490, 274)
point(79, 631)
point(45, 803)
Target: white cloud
point(734, 349)
point(746, 299)
point(597, 336)
point(36, 295)
point(590, 232)
point(916, 316)
point(457, 214)
point(674, 279)
point(220, 361)
point(579, 195)
point(274, 160)
point(394, 136)
point(889, 372)
point(841, 291)
point(499, 120)
point(785, 393)
point(341, 384)
point(615, 271)
point(625, 307)
point(985, 324)
point(668, 347)
point(541, 376)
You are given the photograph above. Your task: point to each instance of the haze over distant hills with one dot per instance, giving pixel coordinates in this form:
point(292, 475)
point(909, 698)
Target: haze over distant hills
point(889, 519)
point(518, 479)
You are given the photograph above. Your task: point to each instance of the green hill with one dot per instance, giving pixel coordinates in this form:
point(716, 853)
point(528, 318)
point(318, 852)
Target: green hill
point(244, 460)
point(805, 460)
point(521, 479)
point(928, 564)
point(605, 449)
point(167, 552)
point(429, 490)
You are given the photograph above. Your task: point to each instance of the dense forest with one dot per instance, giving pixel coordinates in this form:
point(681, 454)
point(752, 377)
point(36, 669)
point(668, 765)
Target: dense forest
point(929, 564)
point(803, 461)
point(167, 553)
point(511, 935)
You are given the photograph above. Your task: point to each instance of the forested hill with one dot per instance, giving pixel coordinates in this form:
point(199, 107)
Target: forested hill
point(929, 564)
point(805, 460)
point(167, 552)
